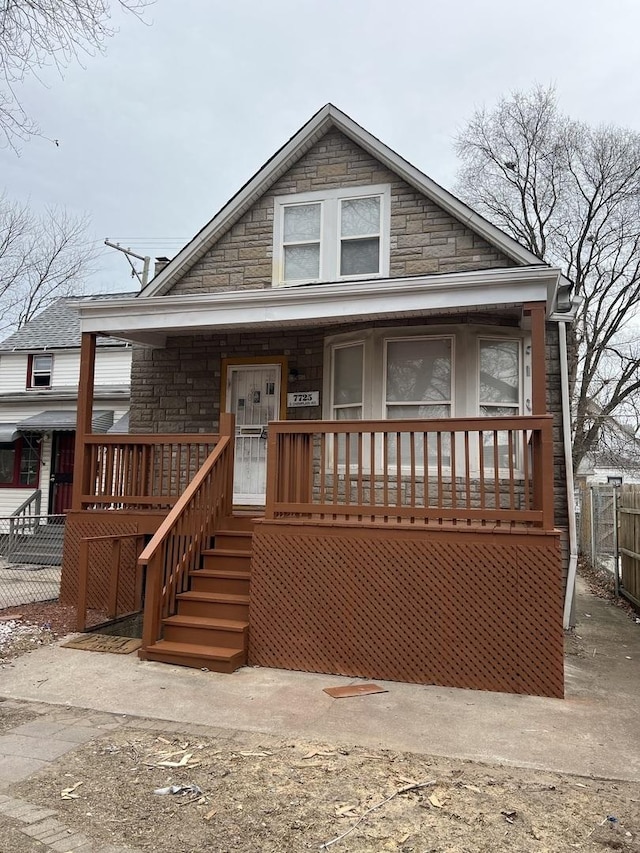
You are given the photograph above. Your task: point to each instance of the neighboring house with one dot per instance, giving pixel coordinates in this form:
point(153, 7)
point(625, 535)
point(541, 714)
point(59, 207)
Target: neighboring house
point(394, 366)
point(616, 458)
point(39, 371)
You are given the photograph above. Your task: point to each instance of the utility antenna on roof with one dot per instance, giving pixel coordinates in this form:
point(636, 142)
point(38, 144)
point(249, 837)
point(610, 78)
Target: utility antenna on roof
point(143, 277)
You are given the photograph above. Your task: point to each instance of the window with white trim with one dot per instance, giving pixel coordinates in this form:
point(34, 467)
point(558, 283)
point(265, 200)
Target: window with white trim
point(418, 377)
point(347, 385)
point(499, 377)
point(331, 236)
point(499, 392)
point(40, 370)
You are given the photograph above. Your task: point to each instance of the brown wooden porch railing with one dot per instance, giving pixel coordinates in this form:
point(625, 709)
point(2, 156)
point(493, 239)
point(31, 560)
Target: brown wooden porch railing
point(459, 471)
point(140, 471)
point(177, 545)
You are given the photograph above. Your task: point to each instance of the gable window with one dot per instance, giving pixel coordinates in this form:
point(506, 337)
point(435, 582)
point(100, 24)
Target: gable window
point(335, 235)
point(19, 464)
point(39, 371)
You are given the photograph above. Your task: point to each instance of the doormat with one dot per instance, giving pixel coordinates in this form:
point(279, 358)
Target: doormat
point(103, 643)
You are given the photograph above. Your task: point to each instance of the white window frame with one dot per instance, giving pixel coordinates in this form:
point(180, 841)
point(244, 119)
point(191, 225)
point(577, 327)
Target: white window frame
point(520, 404)
point(330, 237)
point(333, 407)
point(34, 372)
point(385, 348)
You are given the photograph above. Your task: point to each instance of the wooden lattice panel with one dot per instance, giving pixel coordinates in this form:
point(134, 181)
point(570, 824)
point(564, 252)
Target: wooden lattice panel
point(469, 611)
point(100, 563)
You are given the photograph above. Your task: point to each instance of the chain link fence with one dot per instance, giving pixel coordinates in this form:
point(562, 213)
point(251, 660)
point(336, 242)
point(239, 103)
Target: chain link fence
point(598, 526)
point(30, 559)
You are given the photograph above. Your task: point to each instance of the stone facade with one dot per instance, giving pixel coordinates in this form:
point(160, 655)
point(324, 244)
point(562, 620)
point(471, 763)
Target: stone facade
point(425, 239)
point(178, 388)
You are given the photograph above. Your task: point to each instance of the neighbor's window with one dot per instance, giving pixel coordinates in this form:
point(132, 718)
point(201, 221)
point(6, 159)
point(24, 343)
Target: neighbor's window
point(40, 370)
point(339, 234)
point(19, 464)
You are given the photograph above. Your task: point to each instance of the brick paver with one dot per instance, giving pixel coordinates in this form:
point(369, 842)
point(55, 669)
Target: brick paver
point(33, 746)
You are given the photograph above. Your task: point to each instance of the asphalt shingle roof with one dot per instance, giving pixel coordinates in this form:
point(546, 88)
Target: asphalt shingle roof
point(57, 327)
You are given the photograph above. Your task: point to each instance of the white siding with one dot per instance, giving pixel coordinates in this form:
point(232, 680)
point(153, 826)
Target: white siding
point(113, 367)
point(10, 500)
point(13, 372)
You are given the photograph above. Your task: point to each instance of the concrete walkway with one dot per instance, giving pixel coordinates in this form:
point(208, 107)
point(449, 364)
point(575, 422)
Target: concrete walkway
point(592, 732)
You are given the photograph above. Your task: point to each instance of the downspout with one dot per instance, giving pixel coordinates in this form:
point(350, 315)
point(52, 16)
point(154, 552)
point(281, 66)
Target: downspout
point(568, 461)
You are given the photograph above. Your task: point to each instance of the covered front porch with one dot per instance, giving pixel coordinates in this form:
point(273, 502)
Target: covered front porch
point(373, 536)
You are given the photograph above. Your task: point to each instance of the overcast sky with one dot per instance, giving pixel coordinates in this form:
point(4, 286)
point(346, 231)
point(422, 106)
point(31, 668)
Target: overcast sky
point(156, 134)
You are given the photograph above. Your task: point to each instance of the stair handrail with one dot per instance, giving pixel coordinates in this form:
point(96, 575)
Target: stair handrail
point(22, 513)
point(177, 545)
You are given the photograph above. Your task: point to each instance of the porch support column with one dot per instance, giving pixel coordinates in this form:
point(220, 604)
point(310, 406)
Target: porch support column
point(537, 312)
point(85, 413)
point(543, 465)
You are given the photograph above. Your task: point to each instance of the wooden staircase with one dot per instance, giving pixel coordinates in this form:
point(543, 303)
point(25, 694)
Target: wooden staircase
point(211, 628)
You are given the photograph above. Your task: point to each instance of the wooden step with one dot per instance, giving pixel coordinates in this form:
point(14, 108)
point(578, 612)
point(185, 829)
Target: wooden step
point(204, 631)
point(241, 521)
point(214, 605)
point(237, 540)
point(226, 558)
point(220, 580)
point(213, 658)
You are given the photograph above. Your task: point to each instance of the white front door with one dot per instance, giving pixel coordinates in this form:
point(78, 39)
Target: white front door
point(253, 395)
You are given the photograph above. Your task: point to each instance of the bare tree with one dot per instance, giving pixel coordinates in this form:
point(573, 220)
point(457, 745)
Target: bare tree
point(38, 33)
point(41, 258)
point(570, 193)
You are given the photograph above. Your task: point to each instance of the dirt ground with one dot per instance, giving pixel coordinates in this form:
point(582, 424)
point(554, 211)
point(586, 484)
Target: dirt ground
point(260, 793)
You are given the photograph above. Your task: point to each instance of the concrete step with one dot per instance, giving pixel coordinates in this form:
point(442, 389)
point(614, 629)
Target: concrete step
point(213, 658)
point(204, 631)
point(220, 580)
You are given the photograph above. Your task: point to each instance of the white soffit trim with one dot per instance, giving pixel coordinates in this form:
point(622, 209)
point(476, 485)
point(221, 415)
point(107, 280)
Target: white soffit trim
point(326, 118)
point(148, 320)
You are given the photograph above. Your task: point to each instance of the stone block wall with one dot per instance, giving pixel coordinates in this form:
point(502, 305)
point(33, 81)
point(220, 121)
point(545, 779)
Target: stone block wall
point(425, 239)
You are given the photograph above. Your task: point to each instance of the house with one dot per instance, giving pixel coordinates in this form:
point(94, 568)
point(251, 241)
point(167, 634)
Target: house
point(348, 445)
point(616, 457)
point(39, 373)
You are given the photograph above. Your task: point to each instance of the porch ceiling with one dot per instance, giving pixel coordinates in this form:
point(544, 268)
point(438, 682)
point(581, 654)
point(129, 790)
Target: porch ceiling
point(150, 320)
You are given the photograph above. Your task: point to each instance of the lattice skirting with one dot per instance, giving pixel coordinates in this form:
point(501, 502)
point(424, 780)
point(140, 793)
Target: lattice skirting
point(474, 610)
point(102, 523)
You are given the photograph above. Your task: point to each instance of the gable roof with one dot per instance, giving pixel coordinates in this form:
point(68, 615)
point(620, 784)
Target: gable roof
point(327, 118)
point(56, 327)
